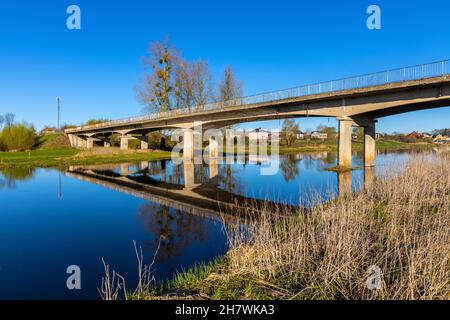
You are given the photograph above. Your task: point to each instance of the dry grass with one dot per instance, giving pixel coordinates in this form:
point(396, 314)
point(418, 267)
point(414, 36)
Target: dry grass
point(400, 223)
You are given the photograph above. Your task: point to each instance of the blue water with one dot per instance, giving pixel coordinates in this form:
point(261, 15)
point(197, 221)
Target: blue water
point(49, 220)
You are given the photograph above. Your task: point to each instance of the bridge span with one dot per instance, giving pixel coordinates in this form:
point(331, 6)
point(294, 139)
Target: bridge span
point(357, 101)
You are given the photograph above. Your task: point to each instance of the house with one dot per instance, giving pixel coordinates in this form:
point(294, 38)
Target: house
point(441, 139)
point(258, 134)
point(300, 136)
point(414, 135)
point(319, 135)
point(47, 130)
point(426, 135)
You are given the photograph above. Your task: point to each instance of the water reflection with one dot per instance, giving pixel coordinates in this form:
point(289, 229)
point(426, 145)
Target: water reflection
point(106, 207)
point(9, 176)
point(173, 231)
point(214, 186)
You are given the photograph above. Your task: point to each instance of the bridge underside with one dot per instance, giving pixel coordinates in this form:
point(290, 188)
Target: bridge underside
point(357, 107)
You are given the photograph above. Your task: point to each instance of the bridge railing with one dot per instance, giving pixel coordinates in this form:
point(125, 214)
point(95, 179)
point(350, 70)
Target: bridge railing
point(418, 72)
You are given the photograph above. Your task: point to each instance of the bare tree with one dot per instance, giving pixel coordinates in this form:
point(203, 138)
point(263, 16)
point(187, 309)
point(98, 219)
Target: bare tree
point(9, 119)
point(230, 88)
point(193, 85)
point(156, 92)
point(184, 90)
point(289, 131)
point(202, 84)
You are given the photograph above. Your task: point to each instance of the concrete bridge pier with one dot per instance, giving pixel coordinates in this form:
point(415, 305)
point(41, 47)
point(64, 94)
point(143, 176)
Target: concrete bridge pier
point(188, 144)
point(213, 148)
point(77, 142)
point(144, 142)
point(90, 143)
point(369, 144)
point(124, 142)
point(345, 143)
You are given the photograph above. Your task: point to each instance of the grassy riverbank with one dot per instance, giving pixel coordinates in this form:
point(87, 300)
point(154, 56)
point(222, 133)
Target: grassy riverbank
point(398, 225)
point(66, 157)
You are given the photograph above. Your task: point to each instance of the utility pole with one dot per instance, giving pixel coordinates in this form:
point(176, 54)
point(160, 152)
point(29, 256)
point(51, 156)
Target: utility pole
point(58, 105)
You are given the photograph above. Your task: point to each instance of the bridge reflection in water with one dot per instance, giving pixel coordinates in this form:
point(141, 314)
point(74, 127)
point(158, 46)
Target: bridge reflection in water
point(203, 190)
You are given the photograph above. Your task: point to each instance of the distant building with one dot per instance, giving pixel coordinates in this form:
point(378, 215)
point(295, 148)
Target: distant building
point(300, 136)
point(415, 135)
point(258, 134)
point(48, 130)
point(426, 135)
point(441, 139)
point(319, 135)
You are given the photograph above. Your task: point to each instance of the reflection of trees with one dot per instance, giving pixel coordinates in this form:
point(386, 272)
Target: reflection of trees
point(330, 158)
point(176, 229)
point(177, 174)
point(229, 179)
point(289, 166)
point(8, 177)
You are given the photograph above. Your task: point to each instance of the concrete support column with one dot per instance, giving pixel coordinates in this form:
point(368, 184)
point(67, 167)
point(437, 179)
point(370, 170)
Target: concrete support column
point(345, 144)
point(144, 145)
point(123, 143)
point(188, 144)
point(213, 148)
point(90, 143)
point(72, 140)
point(369, 145)
point(80, 142)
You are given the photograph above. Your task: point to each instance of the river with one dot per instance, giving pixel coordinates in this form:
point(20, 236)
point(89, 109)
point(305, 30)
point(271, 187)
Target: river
point(51, 219)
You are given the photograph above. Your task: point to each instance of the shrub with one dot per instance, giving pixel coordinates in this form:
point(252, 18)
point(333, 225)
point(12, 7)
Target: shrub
point(17, 137)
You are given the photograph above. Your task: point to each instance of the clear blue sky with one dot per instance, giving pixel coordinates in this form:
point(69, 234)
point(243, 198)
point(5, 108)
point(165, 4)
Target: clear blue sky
point(271, 45)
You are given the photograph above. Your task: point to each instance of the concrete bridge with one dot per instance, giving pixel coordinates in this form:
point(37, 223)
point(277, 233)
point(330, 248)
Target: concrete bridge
point(356, 101)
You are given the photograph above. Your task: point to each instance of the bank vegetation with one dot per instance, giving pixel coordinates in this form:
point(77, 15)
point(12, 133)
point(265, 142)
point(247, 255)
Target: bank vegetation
point(398, 225)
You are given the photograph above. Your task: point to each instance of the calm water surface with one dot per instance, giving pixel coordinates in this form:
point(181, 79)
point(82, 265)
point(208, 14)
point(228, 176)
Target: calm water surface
point(51, 219)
